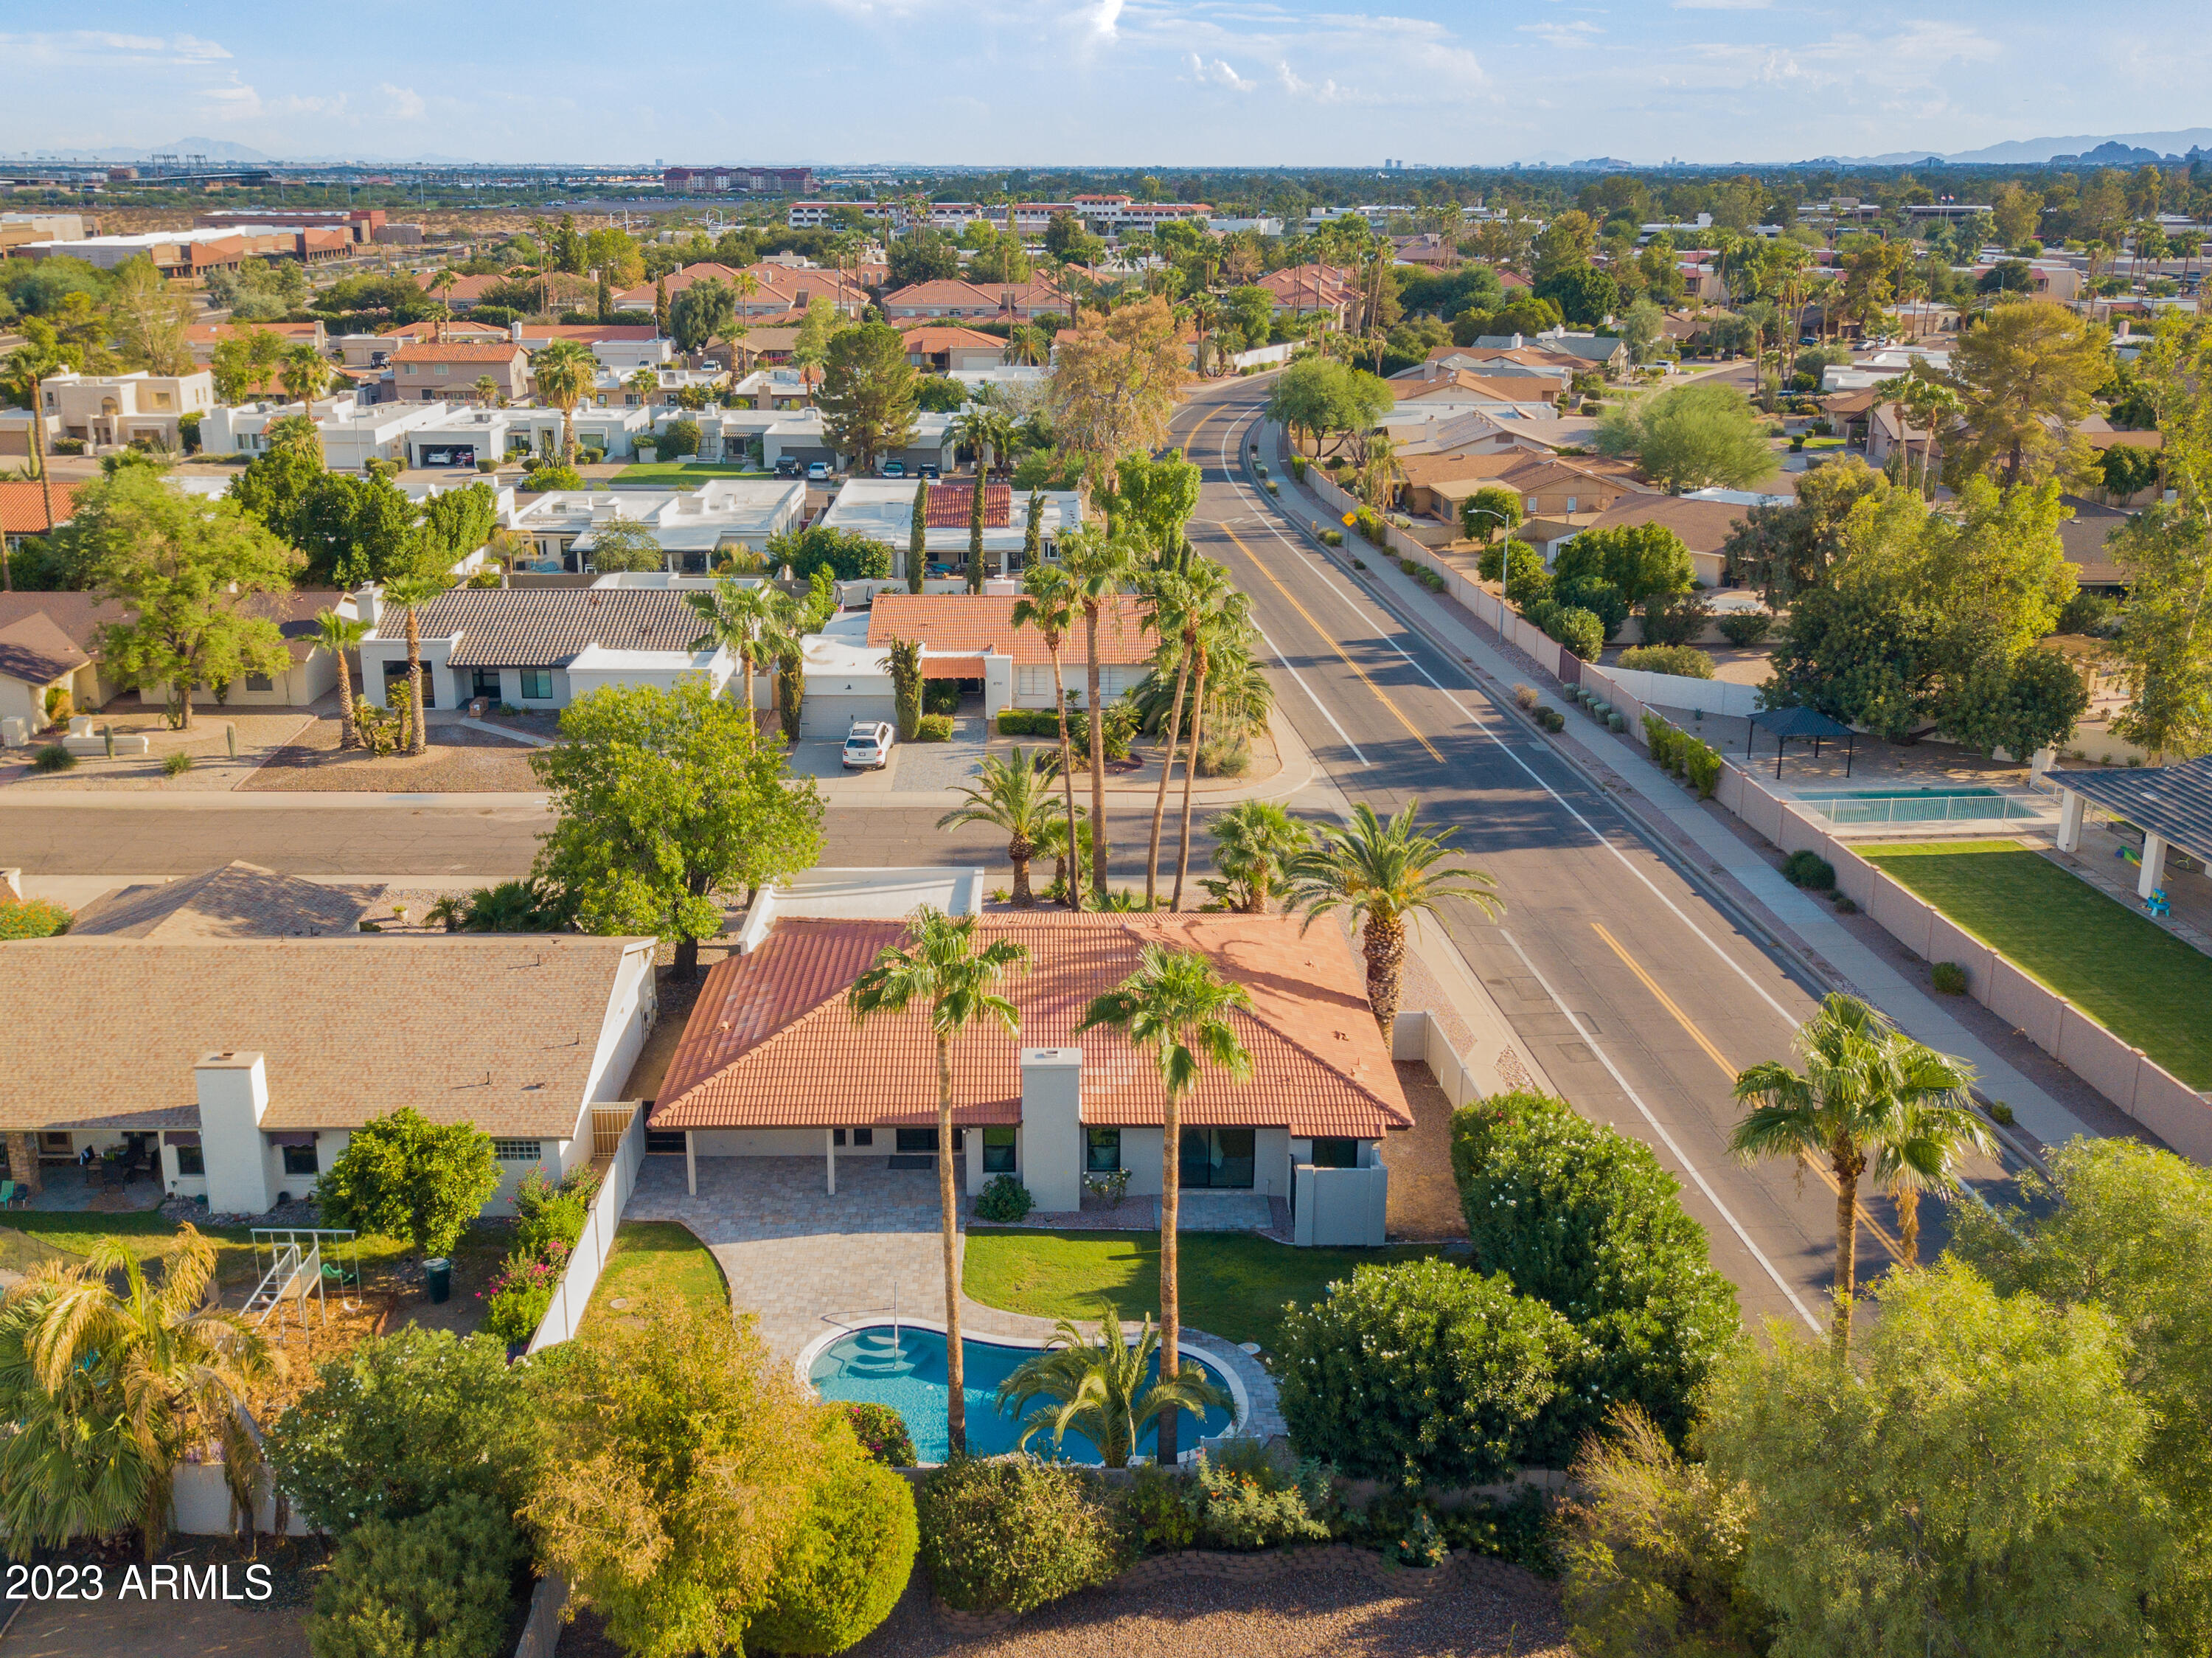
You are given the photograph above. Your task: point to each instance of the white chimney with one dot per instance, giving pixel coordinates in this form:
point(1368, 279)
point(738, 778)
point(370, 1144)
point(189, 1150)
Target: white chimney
point(514, 331)
point(1052, 1127)
point(366, 602)
point(234, 1095)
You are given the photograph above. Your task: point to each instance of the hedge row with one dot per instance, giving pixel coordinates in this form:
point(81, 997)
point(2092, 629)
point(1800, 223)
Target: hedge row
point(1692, 759)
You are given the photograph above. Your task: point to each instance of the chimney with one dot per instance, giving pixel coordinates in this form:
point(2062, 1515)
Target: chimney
point(1051, 1149)
point(366, 602)
point(514, 331)
point(234, 1097)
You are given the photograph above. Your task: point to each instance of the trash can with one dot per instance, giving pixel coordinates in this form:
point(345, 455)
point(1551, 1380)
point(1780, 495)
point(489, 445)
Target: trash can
point(439, 1272)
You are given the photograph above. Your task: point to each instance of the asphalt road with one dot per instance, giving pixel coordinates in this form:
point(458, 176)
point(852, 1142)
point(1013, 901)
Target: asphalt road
point(1638, 995)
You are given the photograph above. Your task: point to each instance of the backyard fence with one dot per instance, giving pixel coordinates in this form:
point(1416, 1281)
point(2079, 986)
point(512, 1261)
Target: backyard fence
point(1419, 1035)
point(541, 1633)
point(565, 1312)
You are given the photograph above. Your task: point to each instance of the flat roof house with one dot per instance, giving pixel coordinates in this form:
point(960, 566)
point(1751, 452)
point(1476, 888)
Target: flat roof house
point(771, 1063)
point(133, 408)
point(692, 526)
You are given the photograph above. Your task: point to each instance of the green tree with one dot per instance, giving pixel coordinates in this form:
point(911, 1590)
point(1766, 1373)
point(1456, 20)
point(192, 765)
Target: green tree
point(1489, 512)
point(1320, 396)
point(1175, 1008)
point(564, 374)
point(437, 1583)
point(1099, 1389)
point(1014, 794)
point(304, 372)
point(627, 543)
point(276, 483)
point(1641, 561)
point(242, 361)
point(1160, 495)
point(1047, 604)
point(867, 395)
point(917, 539)
point(847, 555)
point(1174, 603)
point(922, 254)
point(454, 524)
point(820, 325)
point(338, 635)
point(2025, 375)
point(847, 1565)
point(941, 973)
point(180, 570)
point(1972, 1485)
point(905, 663)
point(703, 311)
point(402, 1176)
point(356, 529)
point(1644, 327)
point(661, 800)
point(1868, 1094)
point(1384, 876)
point(1219, 637)
point(29, 366)
point(1585, 296)
point(149, 319)
point(1690, 437)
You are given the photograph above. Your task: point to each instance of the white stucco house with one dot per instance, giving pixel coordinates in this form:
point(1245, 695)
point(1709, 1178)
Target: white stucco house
point(693, 527)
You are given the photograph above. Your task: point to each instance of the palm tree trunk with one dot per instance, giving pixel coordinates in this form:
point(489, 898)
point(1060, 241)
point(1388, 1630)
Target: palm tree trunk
point(1847, 1162)
point(1170, 1287)
point(349, 737)
point(1170, 740)
point(956, 1367)
point(1098, 756)
point(1072, 884)
point(418, 740)
point(567, 434)
point(1189, 773)
point(745, 667)
point(1385, 946)
point(1907, 1200)
point(1017, 853)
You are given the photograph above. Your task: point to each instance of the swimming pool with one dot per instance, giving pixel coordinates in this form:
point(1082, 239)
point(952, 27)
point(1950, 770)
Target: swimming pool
point(1902, 793)
point(1881, 806)
point(865, 1366)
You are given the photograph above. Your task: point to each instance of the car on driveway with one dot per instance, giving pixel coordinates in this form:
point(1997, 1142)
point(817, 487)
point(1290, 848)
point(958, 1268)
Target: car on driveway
point(929, 469)
point(787, 466)
point(818, 471)
point(893, 469)
point(868, 746)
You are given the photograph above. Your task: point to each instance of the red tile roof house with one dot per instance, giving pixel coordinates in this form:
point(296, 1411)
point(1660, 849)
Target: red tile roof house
point(972, 636)
point(771, 1064)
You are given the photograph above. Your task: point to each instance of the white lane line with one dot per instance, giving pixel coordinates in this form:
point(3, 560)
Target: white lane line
point(1321, 570)
point(1657, 1128)
point(1308, 690)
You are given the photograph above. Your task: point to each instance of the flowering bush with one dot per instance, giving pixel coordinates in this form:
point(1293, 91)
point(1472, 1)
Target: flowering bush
point(518, 1294)
point(882, 1434)
point(1251, 1502)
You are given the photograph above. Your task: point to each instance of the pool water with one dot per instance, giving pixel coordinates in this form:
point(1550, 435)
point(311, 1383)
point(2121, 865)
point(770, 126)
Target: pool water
point(866, 1367)
point(1903, 793)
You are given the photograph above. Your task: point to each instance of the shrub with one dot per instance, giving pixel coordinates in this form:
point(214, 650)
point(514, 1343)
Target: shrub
point(1421, 573)
point(1298, 467)
point(677, 437)
point(1601, 597)
point(552, 476)
point(1250, 1500)
point(882, 1434)
point(1585, 1219)
point(1029, 722)
point(1527, 697)
point(1577, 629)
point(1520, 1531)
point(1686, 661)
point(844, 1571)
point(940, 695)
point(1013, 1533)
point(404, 1176)
point(547, 1214)
point(1550, 719)
point(1746, 628)
point(1702, 764)
point(37, 917)
point(1421, 1372)
point(1948, 977)
point(53, 757)
point(1810, 870)
point(1219, 759)
point(1844, 906)
point(1161, 1511)
point(441, 1582)
point(518, 1296)
point(2000, 1112)
point(1332, 538)
point(1004, 1199)
point(1675, 619)
point(933, 727)
point(176, 764)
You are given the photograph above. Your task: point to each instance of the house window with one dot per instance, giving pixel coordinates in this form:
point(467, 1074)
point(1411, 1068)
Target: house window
point(1336, 1154)
point(537, 684)
point(864, 1137)
point(484, 682)
point(300, 1160)
point(998, 1151)
point(1033, 685)
point(56, 1142)
point(1102, 1149)
point(1217, 1157)
point(517, 1151)
point(925, 1139)
point(259, 682)
point(192, 1160)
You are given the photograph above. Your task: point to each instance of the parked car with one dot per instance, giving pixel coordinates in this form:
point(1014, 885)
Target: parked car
point(787, 466)
point(818, 471)
point(893, 469)
point(868, 746)
point(929, 469)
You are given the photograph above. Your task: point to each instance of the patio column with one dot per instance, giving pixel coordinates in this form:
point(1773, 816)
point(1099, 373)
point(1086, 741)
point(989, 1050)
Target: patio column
point(830, 1148)
point(23, 1160)
point(2070, 821)
point(690, 1163)
point(2153, 866)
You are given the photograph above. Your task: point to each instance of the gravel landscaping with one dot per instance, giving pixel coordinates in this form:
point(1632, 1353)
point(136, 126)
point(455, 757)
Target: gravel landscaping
point(461, 760)
point(261, 733)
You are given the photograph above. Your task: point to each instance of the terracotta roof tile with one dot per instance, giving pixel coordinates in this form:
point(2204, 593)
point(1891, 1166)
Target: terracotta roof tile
point(431, 351)
point(771, 1042)
point(23, 506)
point(963, 622)
point(947, 506)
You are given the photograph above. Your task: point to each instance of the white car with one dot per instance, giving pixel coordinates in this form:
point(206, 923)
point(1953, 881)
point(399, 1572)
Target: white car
point(868, 746)
point(818, 471)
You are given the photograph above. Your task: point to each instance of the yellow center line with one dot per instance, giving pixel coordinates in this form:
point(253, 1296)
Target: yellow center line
point(1896, 1250)
point(1381, 696)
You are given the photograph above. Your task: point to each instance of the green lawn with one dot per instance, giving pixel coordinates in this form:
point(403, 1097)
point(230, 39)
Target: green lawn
point(668, 473)
point(75, 1232)
point(2131, 975)
point(656, 1257)
point(1234, 1284)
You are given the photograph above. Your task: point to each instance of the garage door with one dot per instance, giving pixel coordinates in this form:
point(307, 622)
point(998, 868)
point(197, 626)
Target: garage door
point(832, 716)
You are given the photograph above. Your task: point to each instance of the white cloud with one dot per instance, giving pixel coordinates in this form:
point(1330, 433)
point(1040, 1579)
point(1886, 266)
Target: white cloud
point(1104, 20)
point(81, 45)
point(1568, 35)
point(1219, 73)
point(402, 103)
point(240, 102)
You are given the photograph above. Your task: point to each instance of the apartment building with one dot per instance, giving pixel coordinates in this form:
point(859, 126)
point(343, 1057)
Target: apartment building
point(738, 181)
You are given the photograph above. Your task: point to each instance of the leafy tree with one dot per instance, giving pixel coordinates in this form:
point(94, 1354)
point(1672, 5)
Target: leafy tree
point(867, 396)
point(2025, 375)
point(2164, 645)
point(678, 1461)
point(847, 555)
point(1099, 1389)
point(28, 367)
point(150, 318)
point(1160, 495)
point(1320, 396)
point(1641, 561)
point(1646, 325)
point(181, 570)
point(1114, 386)
point(1583, 1218)
point(356, 529)
point(1586, 296)
point(1973, 1484)
point(1014, 795)
point(923, 255)
point(242, 361)
point(402, 1176)
point(276, 483)
point(627, 543)
point(1490, 511)
point(941, 973)
point(1564, 245)
point(663, 799)
point(701, 312)
point(1690, 437)
point(455, 523)
point(1422, 1373)
point(939, 394)
point(1600, 597)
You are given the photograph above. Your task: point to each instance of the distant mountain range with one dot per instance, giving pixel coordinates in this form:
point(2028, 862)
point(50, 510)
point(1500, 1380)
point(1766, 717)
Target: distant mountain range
point(223, 152)
point(2118, 150)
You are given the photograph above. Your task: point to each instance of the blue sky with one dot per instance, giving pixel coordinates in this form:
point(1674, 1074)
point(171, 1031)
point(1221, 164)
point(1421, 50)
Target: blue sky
point(1105, 82)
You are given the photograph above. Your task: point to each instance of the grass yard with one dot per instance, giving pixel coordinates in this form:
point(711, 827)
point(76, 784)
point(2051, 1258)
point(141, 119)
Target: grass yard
point(1234, 1284)
point(668, 474)
point(73, 1232)
point(656, 1257)
point(2142, 982)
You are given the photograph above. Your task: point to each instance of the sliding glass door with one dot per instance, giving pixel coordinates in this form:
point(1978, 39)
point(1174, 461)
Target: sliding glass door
point(1217, 1157)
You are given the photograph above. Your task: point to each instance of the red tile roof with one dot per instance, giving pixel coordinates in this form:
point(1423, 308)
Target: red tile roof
point(23, 508)
point(942, 337)
point(947, 506)
point(431, 351)
point(771, 1042)
point(960, 622)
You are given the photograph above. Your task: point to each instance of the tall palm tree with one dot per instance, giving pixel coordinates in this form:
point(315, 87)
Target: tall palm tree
point(1027, 345)
point(1174, 1008)
point(1868, 1094)
point(1383, 875)
point(1098, 1388)
point(565, 373)
point(304, 372)
point(338, 635)
point(1221, 629)
point(486, 388)
point(1255, 841)
point(1047, 604)
point(1099, 564)
point(940, 969)
point(1924, 1155)
point(739, 619)
point(410, 594)
point(1172, 600)
point(1014, 795)
point(109, 1388)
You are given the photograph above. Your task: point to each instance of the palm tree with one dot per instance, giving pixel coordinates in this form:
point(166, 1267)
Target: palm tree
point(645, 381)
point(1014, 795)
point(304, 372)
point(739, 619)
point(1221, 629)
point(338, 635)
point(109, 1389)
point(28, 367)
point(1175, 1007)
point(1099, 564)
point(565, 373)
point(1098, 1388)
point(1027, 344)
point(1053, 841)
point(1924, 1155)
point(942, 969)
point(1047, 604)
point(1383, 875)
point(410, 594)
point(1255, 841)
point(486, 388)
point(1172, 601)
point(1867, 1093)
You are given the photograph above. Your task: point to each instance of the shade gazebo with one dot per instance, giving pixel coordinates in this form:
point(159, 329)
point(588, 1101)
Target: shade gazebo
point(2170, 804)
point(1783, 723)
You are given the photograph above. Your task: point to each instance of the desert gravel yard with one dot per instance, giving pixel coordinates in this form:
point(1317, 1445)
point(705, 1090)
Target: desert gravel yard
point(461, 760)
point(261, 733)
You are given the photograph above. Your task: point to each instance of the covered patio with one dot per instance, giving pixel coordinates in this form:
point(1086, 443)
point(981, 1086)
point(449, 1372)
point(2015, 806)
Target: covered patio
point(2171, 805)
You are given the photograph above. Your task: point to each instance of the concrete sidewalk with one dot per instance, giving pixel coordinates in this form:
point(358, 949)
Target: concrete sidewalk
point(1448, 625)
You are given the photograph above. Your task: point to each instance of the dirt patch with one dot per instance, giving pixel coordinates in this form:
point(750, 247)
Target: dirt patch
point(175, 1628)
point(261, 733)
point(1424, 1201)
point(460, 759)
